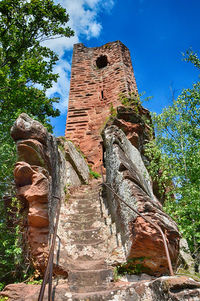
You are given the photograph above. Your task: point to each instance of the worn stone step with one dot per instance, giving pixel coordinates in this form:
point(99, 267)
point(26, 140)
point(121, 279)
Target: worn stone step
point(89, 278)
point(108, 294)
point(89, 208)
point(76, 225)
point(93, 244)
point(87, 264)
point(90, 257)
point(83, 205)
point(73, 210)
point(85, 234)
point(84, 196)
point(84, 202)
point(78, 214)
point(85, 210)
point(83, 223)
point(88, 225)
point(88, 289)
point(90, 195)
point(79, 218)
point(86, 242)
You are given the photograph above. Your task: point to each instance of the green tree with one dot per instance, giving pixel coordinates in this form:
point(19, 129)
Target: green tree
point(175, 156)
point(25, 65)
point(23, 61)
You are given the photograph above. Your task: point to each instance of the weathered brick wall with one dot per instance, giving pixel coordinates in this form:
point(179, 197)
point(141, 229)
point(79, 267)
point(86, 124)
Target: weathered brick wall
point(98, 76)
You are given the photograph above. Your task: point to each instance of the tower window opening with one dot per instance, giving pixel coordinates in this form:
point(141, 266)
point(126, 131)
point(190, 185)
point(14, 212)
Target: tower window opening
point(101, 94)
point(102, 61)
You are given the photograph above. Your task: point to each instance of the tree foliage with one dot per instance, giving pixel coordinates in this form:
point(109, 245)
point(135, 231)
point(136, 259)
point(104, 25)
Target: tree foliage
point(23, 61)
point(26, 72)
point(175, 157)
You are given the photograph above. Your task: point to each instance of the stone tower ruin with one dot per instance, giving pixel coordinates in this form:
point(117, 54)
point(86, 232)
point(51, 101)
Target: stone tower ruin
point(98, 76)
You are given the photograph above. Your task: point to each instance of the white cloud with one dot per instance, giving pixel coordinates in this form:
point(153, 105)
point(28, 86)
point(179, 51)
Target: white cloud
point(95, 29)
point(61, 45)
point(84, 21)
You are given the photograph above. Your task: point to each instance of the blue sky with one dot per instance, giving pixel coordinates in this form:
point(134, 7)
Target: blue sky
point(156, 32)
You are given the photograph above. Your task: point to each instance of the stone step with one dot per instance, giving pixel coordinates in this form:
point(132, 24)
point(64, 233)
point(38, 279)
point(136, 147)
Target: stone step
point(80, 243)
point(86, 206)
point(76, 210)
point(108, 294)
point(79, 280)
point(86, 202)
point(87, 264)
point(87, 225)
point(78, 215)
point(87, 288)
point(85, 234)
point(90, 257)
point(92, 244)
point(82, 219)
point(84, 196)
point(82, 202)
point(86, 209)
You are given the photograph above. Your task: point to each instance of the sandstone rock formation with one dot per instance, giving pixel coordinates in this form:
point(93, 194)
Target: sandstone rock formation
point(127, 175)
point(136, 123)
point(133, 122)
point(41, 174)
point(76, 160)
point(89, 243)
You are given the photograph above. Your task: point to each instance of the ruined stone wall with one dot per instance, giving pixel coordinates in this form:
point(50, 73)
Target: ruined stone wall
point(98, 76)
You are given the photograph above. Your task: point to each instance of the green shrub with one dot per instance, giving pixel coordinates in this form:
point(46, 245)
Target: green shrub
point(94, 174)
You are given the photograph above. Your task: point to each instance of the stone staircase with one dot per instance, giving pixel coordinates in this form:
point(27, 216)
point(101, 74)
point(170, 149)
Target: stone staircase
point(87, 249)
point(88, 244)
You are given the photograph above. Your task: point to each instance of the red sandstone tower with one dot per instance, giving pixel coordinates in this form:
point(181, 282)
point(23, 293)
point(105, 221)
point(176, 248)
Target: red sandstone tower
point(98, 76)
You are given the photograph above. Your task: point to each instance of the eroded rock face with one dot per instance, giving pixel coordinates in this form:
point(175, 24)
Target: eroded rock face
point(41, 174)
point(132, 122)
point(136, 123)
point(33, 178)
point(76, 160)
point(27, 128)
point(126, 173)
